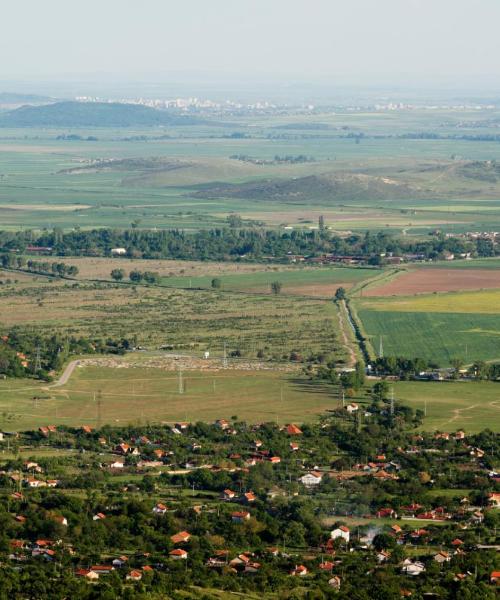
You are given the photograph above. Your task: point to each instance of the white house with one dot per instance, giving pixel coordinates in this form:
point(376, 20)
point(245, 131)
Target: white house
point(412, 568)
point(311, 479)
point(341, 532)
point(118, 251)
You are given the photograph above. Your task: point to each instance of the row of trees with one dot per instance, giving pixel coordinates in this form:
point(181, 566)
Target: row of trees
point(136, 276)
point(60, 269)
point(234, 242)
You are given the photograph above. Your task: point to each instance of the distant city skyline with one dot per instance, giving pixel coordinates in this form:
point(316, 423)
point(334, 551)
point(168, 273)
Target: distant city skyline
point(328, 43)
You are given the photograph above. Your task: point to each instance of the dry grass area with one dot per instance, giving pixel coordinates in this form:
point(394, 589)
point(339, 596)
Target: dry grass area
point(424, 281)
point(100, 268)
point(183, 319)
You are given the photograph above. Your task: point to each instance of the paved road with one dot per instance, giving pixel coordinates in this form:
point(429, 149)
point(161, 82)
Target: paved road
point(68, 371)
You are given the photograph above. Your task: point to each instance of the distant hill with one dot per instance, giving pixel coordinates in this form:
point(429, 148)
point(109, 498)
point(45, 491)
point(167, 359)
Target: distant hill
point(91, 114)
point(336, 187)
point(10, 99)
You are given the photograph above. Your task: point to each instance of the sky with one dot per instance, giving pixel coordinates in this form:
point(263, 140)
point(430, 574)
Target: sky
point(360, 42)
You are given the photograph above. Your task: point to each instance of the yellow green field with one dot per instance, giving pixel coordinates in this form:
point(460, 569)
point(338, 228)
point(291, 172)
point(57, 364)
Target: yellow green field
point(477, 302)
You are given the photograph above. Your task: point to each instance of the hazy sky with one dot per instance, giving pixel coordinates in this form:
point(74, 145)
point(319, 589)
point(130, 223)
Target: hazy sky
point(349, 41)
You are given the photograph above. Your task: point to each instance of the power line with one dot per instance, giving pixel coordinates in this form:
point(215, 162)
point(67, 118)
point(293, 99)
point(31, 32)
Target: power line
point(38, 361)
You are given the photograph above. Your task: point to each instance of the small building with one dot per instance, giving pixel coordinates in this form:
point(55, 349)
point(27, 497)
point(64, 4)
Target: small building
point(180, 538)
point(292, 429)
point(240, 516)
point(178, 554)
point(342, 532)
point(442, 557)
point(311, 479)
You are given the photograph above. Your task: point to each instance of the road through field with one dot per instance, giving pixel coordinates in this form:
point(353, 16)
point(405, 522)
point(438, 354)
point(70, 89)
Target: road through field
point(66, 374)
point(346, 339)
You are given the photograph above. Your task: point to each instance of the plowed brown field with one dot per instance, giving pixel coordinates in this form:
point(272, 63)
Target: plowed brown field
point(425, 281)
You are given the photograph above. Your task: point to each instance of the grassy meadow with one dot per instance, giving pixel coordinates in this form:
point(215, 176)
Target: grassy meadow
point(471, 406)
point(140, 395)
point(134, 394)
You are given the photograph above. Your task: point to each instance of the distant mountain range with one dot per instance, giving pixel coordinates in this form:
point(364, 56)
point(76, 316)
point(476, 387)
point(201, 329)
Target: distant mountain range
point(91, 114)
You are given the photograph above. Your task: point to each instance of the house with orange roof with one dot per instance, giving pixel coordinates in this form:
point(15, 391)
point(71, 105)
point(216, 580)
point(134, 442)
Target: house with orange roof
point(240, 516)
point(299, 571)
point(178, 554)
point(159, 509)
point(341, 532)
point(180, 538)
point(292, 429)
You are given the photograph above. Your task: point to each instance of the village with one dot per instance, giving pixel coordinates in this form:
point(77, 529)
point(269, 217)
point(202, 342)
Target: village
point(253, 501)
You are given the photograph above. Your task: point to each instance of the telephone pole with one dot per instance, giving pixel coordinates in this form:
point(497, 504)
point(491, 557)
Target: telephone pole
point(224, 360)
point(181, 382)
point(99, 403)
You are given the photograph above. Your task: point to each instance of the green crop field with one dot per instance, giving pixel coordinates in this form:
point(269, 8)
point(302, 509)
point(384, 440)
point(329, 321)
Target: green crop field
point(321, 281)
point(133, 395)
point(438, 327)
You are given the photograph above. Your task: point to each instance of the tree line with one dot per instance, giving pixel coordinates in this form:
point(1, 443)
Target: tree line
point(235, 243)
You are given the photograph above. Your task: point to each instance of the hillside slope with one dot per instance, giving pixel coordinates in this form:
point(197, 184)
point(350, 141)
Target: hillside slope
point(91, 114)
point(337, 187)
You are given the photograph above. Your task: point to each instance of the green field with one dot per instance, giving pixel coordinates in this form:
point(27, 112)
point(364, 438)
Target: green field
point(141, 395)
point(437, 327)
point(133, 395)
point(450, 406)
point(321, 281)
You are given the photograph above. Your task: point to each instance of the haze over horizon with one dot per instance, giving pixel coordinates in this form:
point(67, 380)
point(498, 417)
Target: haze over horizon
point(325, 43)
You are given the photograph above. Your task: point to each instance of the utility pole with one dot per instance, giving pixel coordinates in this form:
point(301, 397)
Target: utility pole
point(38, 361)
point(392, 401)
point(181, 382)
point(425, 407)
point(224, 360)
point(99, 403)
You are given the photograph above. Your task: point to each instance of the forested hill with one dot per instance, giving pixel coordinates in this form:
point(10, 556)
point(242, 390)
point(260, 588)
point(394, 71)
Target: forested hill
point(91, 114)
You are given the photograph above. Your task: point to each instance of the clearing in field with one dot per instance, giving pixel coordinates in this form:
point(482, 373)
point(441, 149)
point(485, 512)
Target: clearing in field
point(421, 281)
